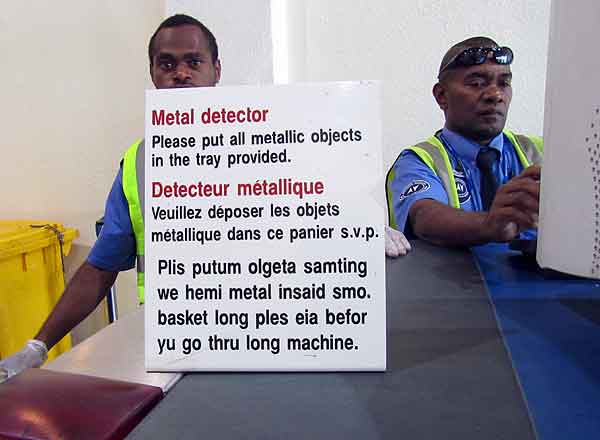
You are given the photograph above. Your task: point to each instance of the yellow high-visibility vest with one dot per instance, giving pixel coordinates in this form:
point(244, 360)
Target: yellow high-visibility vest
point(529, 150)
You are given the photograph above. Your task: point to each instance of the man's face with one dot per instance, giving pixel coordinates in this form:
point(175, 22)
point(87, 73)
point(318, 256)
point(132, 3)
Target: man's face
point(475, 100)
point(182, 58)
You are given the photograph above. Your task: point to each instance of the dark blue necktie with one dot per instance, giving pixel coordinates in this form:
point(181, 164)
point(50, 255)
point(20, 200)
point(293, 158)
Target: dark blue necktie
point(489, 185)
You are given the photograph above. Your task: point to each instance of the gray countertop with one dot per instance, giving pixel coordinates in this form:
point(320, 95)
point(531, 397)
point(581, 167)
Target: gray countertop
point(115, 352)
point(448, 377)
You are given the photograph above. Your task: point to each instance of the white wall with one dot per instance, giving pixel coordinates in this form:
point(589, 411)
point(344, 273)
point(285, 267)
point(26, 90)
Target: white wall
point(402, 43)
point(73, 76)
point(243, 33)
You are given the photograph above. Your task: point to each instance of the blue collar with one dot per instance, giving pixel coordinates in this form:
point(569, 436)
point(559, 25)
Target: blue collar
point(465, 148)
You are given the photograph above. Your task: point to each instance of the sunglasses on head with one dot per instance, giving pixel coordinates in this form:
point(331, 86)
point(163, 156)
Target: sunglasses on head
point(479, 55)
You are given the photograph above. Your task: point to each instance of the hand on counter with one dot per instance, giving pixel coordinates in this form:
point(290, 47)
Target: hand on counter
point(33, 355)
point(396, 243)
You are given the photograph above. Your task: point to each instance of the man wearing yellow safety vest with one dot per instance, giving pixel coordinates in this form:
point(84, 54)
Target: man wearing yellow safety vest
point(182, 53)
point(473, 182)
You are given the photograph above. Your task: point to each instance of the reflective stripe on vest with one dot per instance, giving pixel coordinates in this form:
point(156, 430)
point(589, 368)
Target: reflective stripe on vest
point(529, 150)
point(133, 187)
point(433, 153)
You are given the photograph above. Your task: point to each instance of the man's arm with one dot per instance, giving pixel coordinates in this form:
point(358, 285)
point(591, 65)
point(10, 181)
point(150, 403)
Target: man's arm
point(83, 293)
point(113, 251)
point(408, 181)
point(515, 208)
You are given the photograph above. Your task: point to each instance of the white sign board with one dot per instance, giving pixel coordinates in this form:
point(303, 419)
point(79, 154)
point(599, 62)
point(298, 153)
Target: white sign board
point(263, 236)
point(569, 231)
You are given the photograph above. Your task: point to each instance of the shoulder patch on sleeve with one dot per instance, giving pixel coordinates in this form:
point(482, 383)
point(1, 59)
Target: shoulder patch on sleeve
point(416, 186)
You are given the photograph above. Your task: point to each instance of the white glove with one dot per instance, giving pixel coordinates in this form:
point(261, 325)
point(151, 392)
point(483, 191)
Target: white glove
point(33, 355)
point(396, 243)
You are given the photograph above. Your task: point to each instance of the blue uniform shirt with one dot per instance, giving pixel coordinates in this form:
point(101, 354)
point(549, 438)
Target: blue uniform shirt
point(414, 180)
point(115, 248)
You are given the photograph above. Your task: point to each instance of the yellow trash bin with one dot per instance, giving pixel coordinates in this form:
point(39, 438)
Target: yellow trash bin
point(31, 280)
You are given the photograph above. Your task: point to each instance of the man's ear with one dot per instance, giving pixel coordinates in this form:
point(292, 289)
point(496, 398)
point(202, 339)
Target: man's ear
point(152, 76)
point(218, 70)
point(439, 93)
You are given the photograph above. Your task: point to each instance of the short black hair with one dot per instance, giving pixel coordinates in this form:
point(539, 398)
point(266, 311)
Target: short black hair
point(463, 45)
point(180, 20)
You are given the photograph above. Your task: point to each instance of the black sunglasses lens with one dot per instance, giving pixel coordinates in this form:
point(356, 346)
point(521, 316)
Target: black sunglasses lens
point(472, 57)
point(503, 55)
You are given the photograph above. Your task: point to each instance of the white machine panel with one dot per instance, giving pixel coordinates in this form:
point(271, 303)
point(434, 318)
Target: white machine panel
point(569, 234)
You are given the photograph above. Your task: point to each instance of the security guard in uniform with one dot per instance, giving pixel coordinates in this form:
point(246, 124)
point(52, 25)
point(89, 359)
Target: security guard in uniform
point(473, 182)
